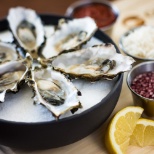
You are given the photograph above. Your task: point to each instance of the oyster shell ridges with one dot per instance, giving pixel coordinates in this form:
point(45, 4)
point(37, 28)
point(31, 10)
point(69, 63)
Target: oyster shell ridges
point(8, 52)
point(70, 36)
point(54, 91)
point(19, 17)
point(12, 73)
point(90, 63)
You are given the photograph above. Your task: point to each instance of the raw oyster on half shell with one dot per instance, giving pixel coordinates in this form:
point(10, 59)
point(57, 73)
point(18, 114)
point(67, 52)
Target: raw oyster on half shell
point(26, 27)
point(8, 52)
point(93, 63)
point(69, 35)
point(54, 91)
point(12, 73)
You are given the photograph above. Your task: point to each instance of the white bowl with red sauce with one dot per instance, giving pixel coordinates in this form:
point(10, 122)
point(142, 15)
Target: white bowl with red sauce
point(140, 81)
point(103, 12)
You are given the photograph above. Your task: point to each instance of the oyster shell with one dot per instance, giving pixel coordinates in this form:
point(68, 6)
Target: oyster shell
point(12, 73)
point(8, 52)
point(26, 27)
point(6, 36)
point(54, 91)
point(70, 35)
point(93, 63)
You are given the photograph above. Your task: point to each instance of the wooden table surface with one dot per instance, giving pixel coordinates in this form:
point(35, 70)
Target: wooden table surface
point(94, 143)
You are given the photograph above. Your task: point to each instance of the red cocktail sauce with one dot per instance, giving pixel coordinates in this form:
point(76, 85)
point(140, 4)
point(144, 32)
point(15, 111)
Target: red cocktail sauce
point(101, 13)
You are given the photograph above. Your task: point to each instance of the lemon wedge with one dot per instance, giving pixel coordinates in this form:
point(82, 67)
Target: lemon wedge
point(121, 128)
point(143, 134)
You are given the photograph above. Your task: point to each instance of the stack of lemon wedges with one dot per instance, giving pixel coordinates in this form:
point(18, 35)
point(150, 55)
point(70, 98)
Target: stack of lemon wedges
point(127, 129)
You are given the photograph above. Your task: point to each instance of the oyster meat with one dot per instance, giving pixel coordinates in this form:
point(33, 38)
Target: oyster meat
point(69, 35)
point(12, 73)
point(8, 52)
point(54, 91)
point(26, 27)
point(93, 63)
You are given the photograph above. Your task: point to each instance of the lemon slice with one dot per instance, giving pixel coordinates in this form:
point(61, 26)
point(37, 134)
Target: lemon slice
point(143, 134)
point(121, 128)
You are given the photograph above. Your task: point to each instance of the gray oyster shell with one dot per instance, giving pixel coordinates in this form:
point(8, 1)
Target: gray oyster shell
point(8, 52)
point(54, 91)
point(93, 63)
point(27, 28)
point(70, 35)
point(12, 73)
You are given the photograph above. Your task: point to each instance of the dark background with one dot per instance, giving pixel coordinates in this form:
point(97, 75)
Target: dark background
point(41, 6)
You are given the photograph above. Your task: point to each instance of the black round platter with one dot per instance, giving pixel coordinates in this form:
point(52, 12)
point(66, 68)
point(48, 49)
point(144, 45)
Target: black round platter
point(43, 135)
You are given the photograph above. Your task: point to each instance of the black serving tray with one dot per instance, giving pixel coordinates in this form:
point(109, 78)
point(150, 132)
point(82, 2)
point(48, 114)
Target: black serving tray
point(52, 134)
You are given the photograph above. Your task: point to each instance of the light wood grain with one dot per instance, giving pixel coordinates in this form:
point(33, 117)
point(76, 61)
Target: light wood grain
point(140, 8)
point(94, 143)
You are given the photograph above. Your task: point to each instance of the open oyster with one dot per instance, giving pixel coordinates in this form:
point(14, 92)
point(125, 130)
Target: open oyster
point(70, 35)
point(54, 91)
point(93, 63)
point(26, 27)
point(8, 52)
point(12, 73)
